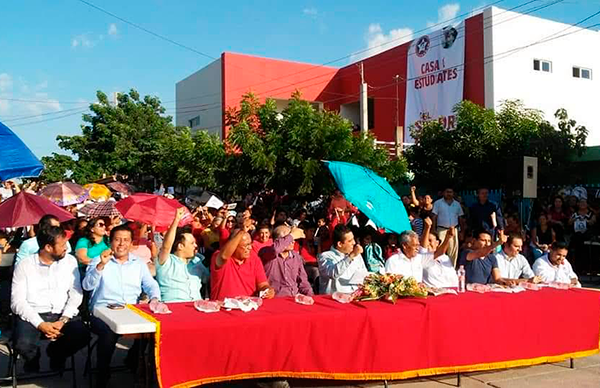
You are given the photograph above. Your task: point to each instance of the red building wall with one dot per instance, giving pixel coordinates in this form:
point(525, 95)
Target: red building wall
point(335, 87)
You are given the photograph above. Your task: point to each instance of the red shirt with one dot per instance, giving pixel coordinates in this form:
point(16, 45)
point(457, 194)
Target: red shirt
point(224, 234)
point(234, 279)
point(257, 245)
point(305, 253)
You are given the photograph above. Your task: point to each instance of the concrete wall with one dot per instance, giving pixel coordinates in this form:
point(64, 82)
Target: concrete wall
point(200, 95)
point(511, 75)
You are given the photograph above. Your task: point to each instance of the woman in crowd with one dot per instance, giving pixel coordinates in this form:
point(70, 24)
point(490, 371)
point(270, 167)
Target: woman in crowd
point(94, 243)
point(581, 223)
point(542, 237)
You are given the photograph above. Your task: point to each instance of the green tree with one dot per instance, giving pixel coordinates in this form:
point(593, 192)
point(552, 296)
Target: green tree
point(487, 147)
point(284, 151)
point(128, 138)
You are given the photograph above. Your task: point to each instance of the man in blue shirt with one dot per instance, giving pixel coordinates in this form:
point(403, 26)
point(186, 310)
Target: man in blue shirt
point(481, 267)
point(116, 277)
point(485, 214)
point(30, 246)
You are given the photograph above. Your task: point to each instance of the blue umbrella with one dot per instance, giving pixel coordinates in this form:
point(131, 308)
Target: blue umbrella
point(16, 160)
point(371, 194)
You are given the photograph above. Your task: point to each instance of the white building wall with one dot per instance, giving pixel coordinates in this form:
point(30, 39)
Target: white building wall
point(200, 95)
point(510, 75)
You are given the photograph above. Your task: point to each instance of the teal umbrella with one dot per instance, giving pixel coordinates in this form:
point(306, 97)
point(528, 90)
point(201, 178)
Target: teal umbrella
point(371, 194)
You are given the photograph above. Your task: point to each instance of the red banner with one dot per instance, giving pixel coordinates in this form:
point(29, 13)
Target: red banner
point(375, 340)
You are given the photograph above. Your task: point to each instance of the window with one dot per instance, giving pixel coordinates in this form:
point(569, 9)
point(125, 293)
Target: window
point(580, 72)
point(194, 122)
point(542, 65)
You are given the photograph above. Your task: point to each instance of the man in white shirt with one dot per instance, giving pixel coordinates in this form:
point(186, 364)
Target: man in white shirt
point(46, 294)
point(409, 260)
point(514, 267)
point(448, 213)
point(341, 268)
point(554, 266)
point(438, 271)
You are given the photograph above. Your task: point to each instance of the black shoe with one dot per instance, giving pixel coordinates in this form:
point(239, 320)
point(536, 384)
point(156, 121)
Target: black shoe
point(33, 365)
point(57, 364)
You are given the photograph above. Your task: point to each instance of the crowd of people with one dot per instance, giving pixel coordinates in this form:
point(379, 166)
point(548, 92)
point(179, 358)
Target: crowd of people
point(257, 247)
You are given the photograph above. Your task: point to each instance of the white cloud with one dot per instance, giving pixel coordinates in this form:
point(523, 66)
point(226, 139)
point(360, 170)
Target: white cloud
point(4, 107)
point(445, 14)
point(112, 30)
point(6, 82)
point(36, 108)
point(42, 85)
point(378, 41)
point(312, 11)
point(82, 41)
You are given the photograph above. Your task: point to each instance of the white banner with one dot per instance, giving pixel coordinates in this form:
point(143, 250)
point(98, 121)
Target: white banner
point(434, 83)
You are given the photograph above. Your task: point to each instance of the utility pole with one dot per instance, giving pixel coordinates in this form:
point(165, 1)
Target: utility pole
point(364, 102)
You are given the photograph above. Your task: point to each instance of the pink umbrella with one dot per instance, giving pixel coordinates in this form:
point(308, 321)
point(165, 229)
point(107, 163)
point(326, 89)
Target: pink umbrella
point(120, 187)
point(26, 209)
point(64, 193)
point(152, 210)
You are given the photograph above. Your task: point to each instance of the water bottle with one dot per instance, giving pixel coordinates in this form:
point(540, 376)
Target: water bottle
point(462, 274)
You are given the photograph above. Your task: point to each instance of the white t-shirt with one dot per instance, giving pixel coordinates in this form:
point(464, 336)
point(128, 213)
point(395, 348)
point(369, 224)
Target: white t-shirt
point(439, 272)
point(515, 267)
point(399, 264)
point(552, 273)
point(447, 215)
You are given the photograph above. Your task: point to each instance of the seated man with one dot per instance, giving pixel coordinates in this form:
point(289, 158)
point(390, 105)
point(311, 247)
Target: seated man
point(178, 270)
point(481, 266)
point(46, 294)
point(554, 266)
point(513, 266)
point(116, 279)
point(235, 271)
point(284, 267)
point(438, 270)
point(408, 261)
point(341, 268)
point(30, 246)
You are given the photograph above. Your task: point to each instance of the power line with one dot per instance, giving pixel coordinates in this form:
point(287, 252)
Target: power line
point(24, 117)
point(186, 109)
point(50, 119)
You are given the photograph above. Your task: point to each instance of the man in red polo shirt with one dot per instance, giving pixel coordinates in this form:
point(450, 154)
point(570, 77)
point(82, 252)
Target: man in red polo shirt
point(236, 271)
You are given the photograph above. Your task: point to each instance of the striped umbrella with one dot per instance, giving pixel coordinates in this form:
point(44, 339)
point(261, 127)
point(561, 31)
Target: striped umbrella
point(100, 209)
point(64, 193)
point(98, 191)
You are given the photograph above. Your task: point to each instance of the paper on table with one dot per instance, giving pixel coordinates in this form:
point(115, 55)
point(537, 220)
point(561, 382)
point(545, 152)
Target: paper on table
point(214, 202)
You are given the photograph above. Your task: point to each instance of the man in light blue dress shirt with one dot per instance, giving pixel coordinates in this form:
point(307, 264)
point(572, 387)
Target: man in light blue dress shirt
point(116, 278)
point(178, 271)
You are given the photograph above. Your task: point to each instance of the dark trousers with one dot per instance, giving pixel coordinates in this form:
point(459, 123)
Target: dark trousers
point(105, 347)
point(107, 341)
point(27, 338)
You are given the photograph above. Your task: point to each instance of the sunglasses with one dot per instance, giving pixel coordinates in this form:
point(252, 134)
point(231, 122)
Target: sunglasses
point(100, 225)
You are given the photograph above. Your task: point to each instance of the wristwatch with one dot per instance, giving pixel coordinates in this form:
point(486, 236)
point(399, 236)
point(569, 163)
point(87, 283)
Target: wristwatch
point(64, 319)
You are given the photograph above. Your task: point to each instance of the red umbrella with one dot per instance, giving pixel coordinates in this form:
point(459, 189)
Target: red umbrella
point(120, 187)
point(152, 210)
point(26, 209)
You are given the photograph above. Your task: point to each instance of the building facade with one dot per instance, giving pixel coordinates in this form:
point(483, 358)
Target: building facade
point(507, 55)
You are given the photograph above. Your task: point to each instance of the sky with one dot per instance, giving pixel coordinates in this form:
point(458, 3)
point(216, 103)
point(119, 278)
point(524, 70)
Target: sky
point(56, 54)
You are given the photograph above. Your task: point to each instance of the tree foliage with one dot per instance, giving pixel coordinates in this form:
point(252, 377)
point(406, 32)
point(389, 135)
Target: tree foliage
point(285, 151)
point(487, 147)
point(265, 149)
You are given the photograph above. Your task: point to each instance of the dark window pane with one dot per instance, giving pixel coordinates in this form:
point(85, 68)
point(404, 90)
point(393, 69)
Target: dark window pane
point(576, 72)
point(536, 64)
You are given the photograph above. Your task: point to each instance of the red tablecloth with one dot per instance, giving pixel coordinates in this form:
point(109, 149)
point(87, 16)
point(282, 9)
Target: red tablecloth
point(375, 340)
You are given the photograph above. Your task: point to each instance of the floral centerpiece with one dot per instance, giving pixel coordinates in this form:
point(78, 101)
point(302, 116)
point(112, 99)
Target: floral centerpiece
point(389, 287)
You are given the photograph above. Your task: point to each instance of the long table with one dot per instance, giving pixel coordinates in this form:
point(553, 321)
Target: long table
point(374, 340)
